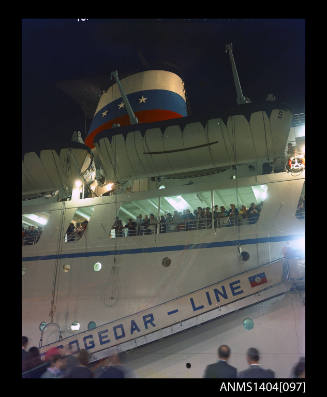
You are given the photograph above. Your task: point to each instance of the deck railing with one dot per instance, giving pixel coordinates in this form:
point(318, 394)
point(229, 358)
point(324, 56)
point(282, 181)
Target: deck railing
point(185, 225)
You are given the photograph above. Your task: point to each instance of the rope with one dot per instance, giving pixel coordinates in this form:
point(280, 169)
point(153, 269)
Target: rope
point(55, 285)
point(112, 275)
point(236, 180)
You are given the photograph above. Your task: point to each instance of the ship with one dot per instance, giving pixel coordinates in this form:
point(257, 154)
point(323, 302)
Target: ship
point(166, 235)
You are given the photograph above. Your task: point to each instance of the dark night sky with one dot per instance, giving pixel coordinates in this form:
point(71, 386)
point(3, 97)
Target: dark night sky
point(269, 54)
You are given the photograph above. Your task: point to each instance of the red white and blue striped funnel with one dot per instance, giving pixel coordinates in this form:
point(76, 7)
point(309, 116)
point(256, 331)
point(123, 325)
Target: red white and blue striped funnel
point(154, 95)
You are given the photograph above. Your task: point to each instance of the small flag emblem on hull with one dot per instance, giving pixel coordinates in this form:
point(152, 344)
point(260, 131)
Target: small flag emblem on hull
point(258, 279)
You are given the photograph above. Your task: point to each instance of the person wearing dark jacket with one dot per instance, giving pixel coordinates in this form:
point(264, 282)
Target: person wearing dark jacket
point(255, 370)
point(81, 370)
point(24, 346)
point(221, 369)
point(33, 366)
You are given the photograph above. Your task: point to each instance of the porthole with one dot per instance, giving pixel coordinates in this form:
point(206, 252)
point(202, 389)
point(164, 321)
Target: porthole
point(91, 325)
point(188, 365)
point(245, 256)
point(97, 267)
point(42, 325)
point(75, 326)
point(166, 261)
point(248, 323)
point(66, 268)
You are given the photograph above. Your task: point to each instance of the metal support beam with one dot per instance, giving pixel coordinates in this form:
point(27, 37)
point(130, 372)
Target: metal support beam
point(131, 115)
point(240, 98)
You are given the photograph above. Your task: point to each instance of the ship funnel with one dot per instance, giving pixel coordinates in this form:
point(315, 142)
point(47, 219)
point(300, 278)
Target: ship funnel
point(145, 97)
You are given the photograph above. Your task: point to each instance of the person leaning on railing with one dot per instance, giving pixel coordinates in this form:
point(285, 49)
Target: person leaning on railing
point(138, 224)
point(145, 225)
point(118, 226)
point(243, 214)
point(131, 226)
point(162, 224)
point(152, 224)
point(253, 213)
point(233, 215)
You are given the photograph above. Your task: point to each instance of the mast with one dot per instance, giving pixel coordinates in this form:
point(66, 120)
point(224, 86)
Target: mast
point(240, 98)
point(132, 117)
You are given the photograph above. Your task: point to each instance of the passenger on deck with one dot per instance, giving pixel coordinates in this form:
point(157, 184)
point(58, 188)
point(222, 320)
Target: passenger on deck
point(70, 232)
point(84, 226)
point(243, 214)
point(145, 225)
point(170, 226)
point(177, 221)
point(208, 218)
point(31, 236)
point(253, 213)
point(195, 219)
point(138, 224)
point(233, 215)
point(153, 224)
point(162, 224)
point(118, 226)
point(201, 220)
point(189, 220)
point(131, 226)
point(215, 216)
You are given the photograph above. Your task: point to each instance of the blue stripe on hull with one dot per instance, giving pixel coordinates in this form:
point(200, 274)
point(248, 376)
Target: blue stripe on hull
point(214, 244)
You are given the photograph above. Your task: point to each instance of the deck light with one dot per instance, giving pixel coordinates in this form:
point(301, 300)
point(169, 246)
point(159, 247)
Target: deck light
point(177, 202)
point(109, 187)
point(75, 326)
point(78, 183)
point(37, 219)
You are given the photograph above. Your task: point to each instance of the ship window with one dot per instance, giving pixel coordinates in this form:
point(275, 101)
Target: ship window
point(300, 210)
point(75, 326)
point(137, 218)
point(97, 267)
point(78, 224)
point(248, 323)
point(66, 268)
point(32, 227)
point(91, 325)
point(42, 325)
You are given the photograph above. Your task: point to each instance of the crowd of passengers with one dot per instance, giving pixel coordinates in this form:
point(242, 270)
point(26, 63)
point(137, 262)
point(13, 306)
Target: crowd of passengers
point(75, 231)
point(31, 235)
point(201, 218)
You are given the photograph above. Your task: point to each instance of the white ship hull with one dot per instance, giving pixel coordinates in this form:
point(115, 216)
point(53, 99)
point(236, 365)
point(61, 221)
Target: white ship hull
point(133, 279)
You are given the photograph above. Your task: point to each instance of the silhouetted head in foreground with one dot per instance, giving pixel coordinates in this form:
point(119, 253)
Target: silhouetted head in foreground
point(224, 352)
point(24, 341)
point(299, 369)
point(252, 355)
